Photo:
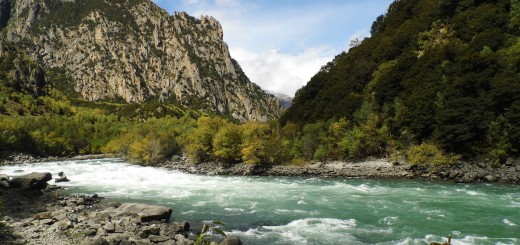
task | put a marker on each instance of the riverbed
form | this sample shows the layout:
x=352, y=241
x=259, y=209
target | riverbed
x=295, y=210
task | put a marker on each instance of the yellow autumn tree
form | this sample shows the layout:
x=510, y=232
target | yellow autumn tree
x=227, y=144
x=256, y=139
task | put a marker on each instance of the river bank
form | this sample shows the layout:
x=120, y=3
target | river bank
x=462, y=172
x=37, y=213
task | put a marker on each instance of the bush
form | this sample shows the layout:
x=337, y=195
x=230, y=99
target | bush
x=200, y=148
x=428, y=154
x=255, y=146
x=227, y=144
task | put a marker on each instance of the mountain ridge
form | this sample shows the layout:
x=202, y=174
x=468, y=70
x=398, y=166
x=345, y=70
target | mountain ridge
x=135, y=51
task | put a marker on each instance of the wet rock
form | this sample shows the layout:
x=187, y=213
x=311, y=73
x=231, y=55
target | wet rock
x=52, y=187
x=231, y=240
x=4, y=181
x=149, y=230
x=47, y=221
x=185, y=226
x=453, y=174
x=101, y=232
x=168, y=242
x=73, y=218
x=64, y=225
x=119, y=239
x=482, y=173
x=100, y=241
x=43, y=215
x=93, y=225
x=157, y=239
x=109, y=227
x=32, y=180
x=181, y=240
x=89, y=232
x=61, y=178
x=144, y=212
x=512, y=161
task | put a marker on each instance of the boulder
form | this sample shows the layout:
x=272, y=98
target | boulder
x=32, y=180
x=181, y=240
x=100, y=241
x=109, y=227
x=490, y=178
x=231, y=240
x=61, y=178
x=149, y=230
x=64, y=225
x=144, y=212
x=158, y=239
x=4, y=181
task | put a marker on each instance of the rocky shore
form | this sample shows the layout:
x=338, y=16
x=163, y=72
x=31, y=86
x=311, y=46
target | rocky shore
x=20, y=158
x=462, y=172
x=36, y=213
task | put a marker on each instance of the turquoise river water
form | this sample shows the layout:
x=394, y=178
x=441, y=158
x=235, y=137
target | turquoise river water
x=288, y=210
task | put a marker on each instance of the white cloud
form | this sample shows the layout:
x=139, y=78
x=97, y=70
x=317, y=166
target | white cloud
x=282, y=72
x=281, y=46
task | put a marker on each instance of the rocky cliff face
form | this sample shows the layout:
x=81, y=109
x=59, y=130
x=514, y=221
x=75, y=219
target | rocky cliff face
x=132, y=49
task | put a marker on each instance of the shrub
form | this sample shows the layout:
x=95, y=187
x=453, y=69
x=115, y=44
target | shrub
x=428, y=154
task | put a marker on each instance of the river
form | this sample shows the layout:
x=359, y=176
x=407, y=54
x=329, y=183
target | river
x=290, y=210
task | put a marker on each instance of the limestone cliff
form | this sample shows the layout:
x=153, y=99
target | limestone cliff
x=134, y=50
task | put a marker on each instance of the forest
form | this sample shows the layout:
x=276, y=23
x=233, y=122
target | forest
x=438, y=81
x=437, y=72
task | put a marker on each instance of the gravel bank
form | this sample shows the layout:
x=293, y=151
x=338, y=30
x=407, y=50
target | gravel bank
x=463, y=172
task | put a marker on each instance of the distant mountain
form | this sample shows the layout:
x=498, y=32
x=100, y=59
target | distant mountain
x=439, y=71
x=134, y=51
x=285, y=100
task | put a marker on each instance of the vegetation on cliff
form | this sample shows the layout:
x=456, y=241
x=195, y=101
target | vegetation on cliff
x=133, y=51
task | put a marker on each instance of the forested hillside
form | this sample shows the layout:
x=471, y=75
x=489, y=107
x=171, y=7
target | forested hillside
x=442, y=74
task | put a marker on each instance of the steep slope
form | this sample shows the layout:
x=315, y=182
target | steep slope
x=135, y=51
x=445, y=71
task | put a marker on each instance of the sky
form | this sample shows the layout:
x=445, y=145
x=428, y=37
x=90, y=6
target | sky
x=281, y=44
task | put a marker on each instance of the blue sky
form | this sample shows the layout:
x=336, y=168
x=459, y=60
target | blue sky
x=281, y=44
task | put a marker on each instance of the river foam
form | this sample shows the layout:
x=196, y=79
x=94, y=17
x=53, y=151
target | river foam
x=290, y=210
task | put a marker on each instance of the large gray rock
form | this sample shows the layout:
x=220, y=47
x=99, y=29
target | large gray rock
x=231, y=240
x=32, y=180
x=144, y=212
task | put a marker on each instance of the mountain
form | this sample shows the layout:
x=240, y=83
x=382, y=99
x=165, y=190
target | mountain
x=132, y=50
x=434, y=71
x=285, y=100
